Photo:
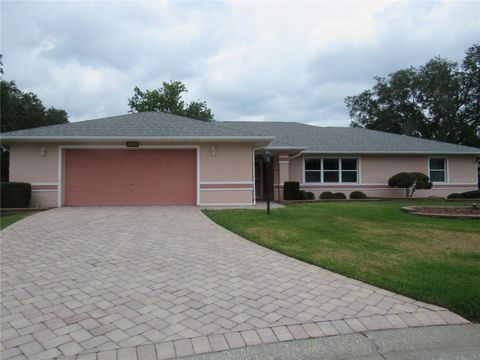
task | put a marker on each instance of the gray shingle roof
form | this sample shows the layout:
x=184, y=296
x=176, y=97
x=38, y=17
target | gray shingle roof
x=137, y=125
x=345, y=139
x=286, y=134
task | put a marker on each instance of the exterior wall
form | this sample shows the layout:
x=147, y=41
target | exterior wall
x=28, y=164
x=225, y=171
x=374, y=172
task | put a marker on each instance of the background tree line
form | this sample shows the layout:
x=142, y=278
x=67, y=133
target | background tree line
x=439, y=100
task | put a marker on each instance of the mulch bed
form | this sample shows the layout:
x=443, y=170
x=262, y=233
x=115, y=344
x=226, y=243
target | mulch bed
x=450, y=211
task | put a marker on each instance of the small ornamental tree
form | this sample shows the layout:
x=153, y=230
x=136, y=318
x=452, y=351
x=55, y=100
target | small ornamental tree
x=410, y=182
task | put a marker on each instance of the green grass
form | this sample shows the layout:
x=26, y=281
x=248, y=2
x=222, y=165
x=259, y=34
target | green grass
x=6, y=220
x=434, y=260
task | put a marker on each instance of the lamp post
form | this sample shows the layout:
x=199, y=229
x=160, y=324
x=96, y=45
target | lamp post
x=268, y=160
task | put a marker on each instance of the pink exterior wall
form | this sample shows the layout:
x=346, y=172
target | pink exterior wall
x=227, y=172
x=376, y=170
x=28, y=165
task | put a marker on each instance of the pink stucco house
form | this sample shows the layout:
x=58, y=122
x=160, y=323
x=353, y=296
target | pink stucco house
x=154, y=158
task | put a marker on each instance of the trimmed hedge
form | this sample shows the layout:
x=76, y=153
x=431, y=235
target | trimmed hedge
x=291, y=190
x=302, y=195
x=310, y=195
x=15, y=194
x=339, y=195
x=474, y=194
x=327, y=195
x=357, y=195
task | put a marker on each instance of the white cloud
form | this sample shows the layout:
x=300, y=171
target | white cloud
x=293, y=61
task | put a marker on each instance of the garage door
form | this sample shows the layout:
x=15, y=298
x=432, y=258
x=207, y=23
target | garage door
x=130, y=177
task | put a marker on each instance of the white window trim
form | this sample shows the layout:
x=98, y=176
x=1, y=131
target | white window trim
x=322, y=182
x=446, y=170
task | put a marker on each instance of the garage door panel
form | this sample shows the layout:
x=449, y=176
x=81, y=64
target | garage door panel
x=130, y=177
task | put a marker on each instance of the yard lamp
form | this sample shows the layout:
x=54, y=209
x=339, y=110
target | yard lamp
x=268, y=160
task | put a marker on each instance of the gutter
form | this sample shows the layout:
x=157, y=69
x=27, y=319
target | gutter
x=132, y=138
x=392, y=152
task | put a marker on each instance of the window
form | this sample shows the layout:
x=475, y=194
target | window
x=313, y=169
x=331, y=173
x=349, y=170
x=438, y=169
x=331, y=170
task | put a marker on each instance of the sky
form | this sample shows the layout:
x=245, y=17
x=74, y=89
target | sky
x=264, y=61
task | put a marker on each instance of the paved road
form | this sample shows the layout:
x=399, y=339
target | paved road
x=159, y=282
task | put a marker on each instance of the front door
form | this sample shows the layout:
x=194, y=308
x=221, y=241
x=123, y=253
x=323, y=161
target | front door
x=258, y=178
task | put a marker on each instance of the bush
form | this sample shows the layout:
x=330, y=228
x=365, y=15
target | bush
x=340, y=196
x=357, y=195
x=15, y=194
x=402, y=180
x=302, y=195
x=291, y=190
x=310, y=195
x=454, y=196
x=327, y=195
x=410, y=182
x=474, y=194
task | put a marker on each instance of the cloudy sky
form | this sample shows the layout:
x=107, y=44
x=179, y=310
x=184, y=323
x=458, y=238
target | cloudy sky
x=282, y=61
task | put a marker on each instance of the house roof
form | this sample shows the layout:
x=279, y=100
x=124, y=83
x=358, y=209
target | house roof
x=291, y=136
x=314, y=139
x=144, y=125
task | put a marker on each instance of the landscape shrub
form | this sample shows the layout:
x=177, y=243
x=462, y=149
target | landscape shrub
x=310, y=195
x=327, y=195
x=474, y=194
x=454, y=196
x=302, y=195
x=291, y=190
x=15, y=194
x=339, y=195
x=410, y=182
x=357, y=195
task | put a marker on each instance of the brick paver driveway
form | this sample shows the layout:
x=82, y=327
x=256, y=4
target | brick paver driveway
x=158, y=282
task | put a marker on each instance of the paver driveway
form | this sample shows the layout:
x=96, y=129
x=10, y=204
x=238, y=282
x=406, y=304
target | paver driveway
x=117, y=280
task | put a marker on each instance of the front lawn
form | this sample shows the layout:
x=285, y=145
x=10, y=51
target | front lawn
x=8, y=219
x=430, y=259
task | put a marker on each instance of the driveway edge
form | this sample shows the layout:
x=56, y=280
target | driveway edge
x=177, y=348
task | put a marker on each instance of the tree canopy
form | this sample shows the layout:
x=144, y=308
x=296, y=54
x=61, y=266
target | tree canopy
x=168, y=99
x=439, y=100
x=23, y=110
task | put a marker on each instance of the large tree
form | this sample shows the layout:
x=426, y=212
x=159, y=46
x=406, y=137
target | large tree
x=22, y=110
x=439, y=100
x=168, y=99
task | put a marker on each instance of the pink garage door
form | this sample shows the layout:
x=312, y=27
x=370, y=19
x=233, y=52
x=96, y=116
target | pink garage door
x=130, y=177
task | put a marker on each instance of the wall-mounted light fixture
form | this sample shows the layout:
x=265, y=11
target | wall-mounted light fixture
x=214, y=151
x=43, y=151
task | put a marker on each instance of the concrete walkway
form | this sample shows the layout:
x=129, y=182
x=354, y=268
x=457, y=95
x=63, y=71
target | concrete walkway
x=451, y=342
x=160, y=282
